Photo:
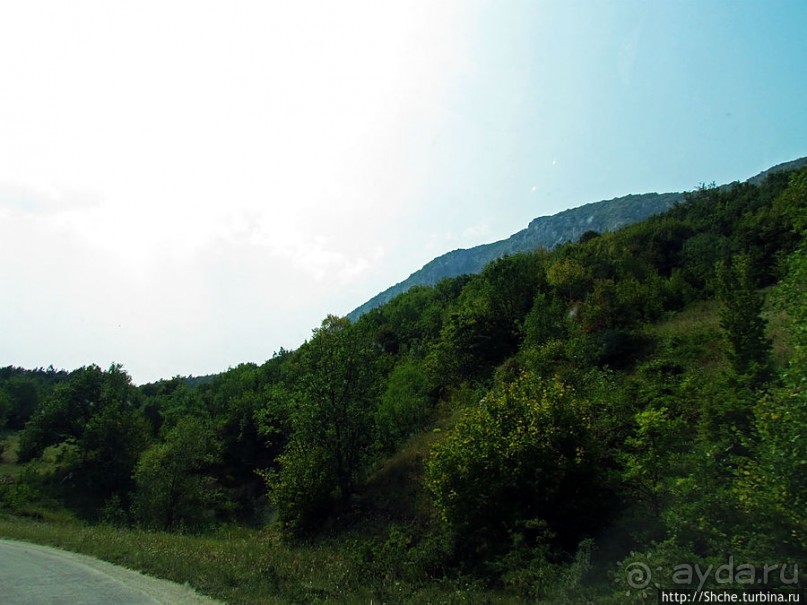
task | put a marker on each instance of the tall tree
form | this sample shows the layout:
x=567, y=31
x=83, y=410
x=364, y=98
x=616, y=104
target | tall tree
x=332, y=423
x=174, y=488
x=742, y=322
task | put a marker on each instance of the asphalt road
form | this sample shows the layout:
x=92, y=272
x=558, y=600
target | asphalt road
x=39, y=575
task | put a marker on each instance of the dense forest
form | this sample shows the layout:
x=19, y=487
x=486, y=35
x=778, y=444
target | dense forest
x=631, y=401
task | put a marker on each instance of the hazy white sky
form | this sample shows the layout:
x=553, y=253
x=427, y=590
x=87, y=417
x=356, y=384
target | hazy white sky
x=188, y=185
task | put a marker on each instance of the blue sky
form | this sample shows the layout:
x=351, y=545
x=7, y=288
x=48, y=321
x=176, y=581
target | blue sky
x=185, y=186
x=635, y=96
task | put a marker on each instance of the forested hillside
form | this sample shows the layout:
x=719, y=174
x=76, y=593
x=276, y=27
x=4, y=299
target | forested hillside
x=543, y=232
x=547, y=232
x=632, y=400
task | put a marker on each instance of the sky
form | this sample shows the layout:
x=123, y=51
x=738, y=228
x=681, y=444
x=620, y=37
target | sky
x=189, y=185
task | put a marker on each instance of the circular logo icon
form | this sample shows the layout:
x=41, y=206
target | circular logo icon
x=639, y=575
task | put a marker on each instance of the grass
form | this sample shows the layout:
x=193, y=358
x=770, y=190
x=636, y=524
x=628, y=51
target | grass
x=779, y=331
x=696, y=330
x=8, y=455
x=238, y=565
x=395, y=491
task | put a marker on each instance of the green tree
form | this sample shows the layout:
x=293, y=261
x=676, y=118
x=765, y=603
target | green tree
x=409, y=321
x=773, y=485
x=169, y=400
x=545, y=320
x=521, y=459
x=570, y=278
x=66, y=412
x=94, y=421
x=740, y=317
x=405, y=405
x=5, y=408
x=26, y=389
x=332, y=423
x=653, y=456
x=174, y=486
x=486, y=324
x=302, y=488
x=63, y=415
x=105, y=458
x=467, y=348
x=700, y=254
x=513, y=281
x=339, y=390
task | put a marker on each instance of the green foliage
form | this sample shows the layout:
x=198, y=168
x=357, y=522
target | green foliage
x=332, y=423
x=250, y=412
x=106, y=455
x=677, y=292
x=5, y=408
x=338, y=392
x=93, y=420
x=772, y=487
x=569, y=277
x=749, y=348
x=170, y=400
x=26, y=389
x=545, y=320
x=174, y=487
x=468, y=347
x=302, y=491
x=273, y=417
x=409, y=321
x=701, y=253
x=512, y=283
x=652, y=456
x=25, y=396
x=514, y=463
x=601, y=310
x=405, y=406
x=66, y=412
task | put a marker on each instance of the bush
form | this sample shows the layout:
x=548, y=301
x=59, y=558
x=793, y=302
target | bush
x=517, y=462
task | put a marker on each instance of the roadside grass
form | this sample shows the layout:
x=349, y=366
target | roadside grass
x=247, y=566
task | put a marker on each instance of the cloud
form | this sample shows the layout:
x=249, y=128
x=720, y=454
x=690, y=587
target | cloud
x=42, y=199
x=321, y=256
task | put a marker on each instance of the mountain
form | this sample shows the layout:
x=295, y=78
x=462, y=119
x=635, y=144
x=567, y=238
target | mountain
x=546, y=232
x=795, y=164
x=543, y=232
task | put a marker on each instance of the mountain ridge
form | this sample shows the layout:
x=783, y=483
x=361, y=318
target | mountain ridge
x=546, y=232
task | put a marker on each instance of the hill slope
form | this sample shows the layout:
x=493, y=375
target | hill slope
x=542, y=232
x=545, y=232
